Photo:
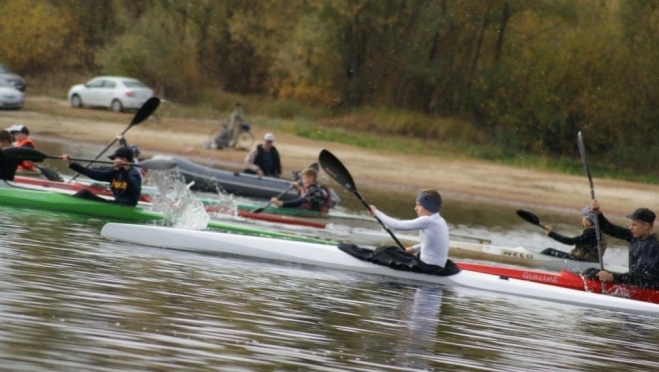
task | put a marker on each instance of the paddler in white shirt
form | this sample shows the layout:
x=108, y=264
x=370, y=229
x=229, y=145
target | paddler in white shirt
x=433, y=230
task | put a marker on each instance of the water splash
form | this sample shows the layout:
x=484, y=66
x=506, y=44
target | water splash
x=225, y=205
x=176, y=202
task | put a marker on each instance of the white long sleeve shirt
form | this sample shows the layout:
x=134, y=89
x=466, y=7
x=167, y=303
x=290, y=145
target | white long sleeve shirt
x=433, y=233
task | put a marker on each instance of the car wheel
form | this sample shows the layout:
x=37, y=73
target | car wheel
x=76, y=102
x=116, y=106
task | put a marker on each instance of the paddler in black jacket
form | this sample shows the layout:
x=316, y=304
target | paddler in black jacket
x=643, y=248
x=585, y=244
x=125, y=180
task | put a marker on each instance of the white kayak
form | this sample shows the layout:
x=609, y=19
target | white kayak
x=458, y=248
x=523, y=256
x=331, y=257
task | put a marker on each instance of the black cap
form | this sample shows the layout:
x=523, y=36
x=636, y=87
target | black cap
x=643, y=214
x=123, y=152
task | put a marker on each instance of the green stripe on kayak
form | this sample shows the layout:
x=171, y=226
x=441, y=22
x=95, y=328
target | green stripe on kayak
x=59, y=202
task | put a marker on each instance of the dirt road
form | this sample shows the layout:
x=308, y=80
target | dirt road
x=457, y=179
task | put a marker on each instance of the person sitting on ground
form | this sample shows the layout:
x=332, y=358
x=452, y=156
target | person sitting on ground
x=8, y=165
x=585, y=244
x=236, y=121
x=313, y=197
x=432, y=252
x=125, y=181
x=264, y=159
x=21, y=139
x=643, y=248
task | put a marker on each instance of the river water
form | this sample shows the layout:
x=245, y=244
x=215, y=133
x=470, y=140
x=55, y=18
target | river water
x=74, y=301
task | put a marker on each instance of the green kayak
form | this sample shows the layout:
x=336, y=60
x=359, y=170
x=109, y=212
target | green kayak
x=61, y=202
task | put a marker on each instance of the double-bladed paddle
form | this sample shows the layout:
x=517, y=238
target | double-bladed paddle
x=529, y=217
x=313, y=166
x=584, y=160
x=148, y=108
x=332, y=166
x=28, y=153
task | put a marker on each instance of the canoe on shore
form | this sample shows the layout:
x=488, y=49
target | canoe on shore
x=331, y=257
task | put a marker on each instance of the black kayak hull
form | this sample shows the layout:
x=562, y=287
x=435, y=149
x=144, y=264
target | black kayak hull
x=207, y=179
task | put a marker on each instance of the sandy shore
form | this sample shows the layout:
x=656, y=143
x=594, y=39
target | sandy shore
x=457, y=179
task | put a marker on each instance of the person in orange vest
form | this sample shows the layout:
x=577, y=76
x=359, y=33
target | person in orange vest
x=21, y=139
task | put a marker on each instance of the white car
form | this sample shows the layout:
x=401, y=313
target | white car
x=114, y=92
x=10, y=96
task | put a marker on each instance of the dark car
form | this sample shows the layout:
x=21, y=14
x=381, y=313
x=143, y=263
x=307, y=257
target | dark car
x=15, y=79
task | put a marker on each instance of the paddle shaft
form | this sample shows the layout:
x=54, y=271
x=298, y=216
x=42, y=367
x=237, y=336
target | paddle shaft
x=259, y=210
x=582, y=151
x=91, y=161
x=379, y=221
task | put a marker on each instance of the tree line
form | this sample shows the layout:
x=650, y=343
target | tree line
x=527, y=74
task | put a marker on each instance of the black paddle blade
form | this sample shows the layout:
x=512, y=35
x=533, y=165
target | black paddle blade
x=528, y=216
x=24, y=153
x=332, y=166
x=148, y=108
x=259, y=210
x=158, y=164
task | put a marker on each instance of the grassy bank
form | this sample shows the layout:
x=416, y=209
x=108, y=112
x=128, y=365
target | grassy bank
x=372, y=128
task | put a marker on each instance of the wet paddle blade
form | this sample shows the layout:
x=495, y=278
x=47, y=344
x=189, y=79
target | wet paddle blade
x=335, y=169
x=528, y=216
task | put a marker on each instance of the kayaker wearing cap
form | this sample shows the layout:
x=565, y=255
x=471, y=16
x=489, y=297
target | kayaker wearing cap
x=7, y=165
x=21, y=139
x=433, y=231
x=264, y=159
x=643, y=248
x=125, y=180
x=585, y=244
x=136, y=153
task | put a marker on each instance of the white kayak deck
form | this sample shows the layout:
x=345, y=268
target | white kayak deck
x=331, y=257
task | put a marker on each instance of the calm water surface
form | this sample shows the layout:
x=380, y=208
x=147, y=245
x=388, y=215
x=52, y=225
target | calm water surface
x=74, y=301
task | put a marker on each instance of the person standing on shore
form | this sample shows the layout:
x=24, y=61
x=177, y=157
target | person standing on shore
x=236, y=121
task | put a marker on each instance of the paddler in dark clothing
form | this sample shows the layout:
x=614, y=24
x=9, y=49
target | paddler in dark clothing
x=8, y=165
x=313, y=197
x=643, y=248
x=264, y=159
x=125, y=180
x=585, y=244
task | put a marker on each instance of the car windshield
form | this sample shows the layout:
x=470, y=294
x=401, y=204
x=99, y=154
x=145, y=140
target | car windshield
x=5, y=83
x=133, y=84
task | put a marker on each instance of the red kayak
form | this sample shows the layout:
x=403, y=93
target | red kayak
x=566, y=279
